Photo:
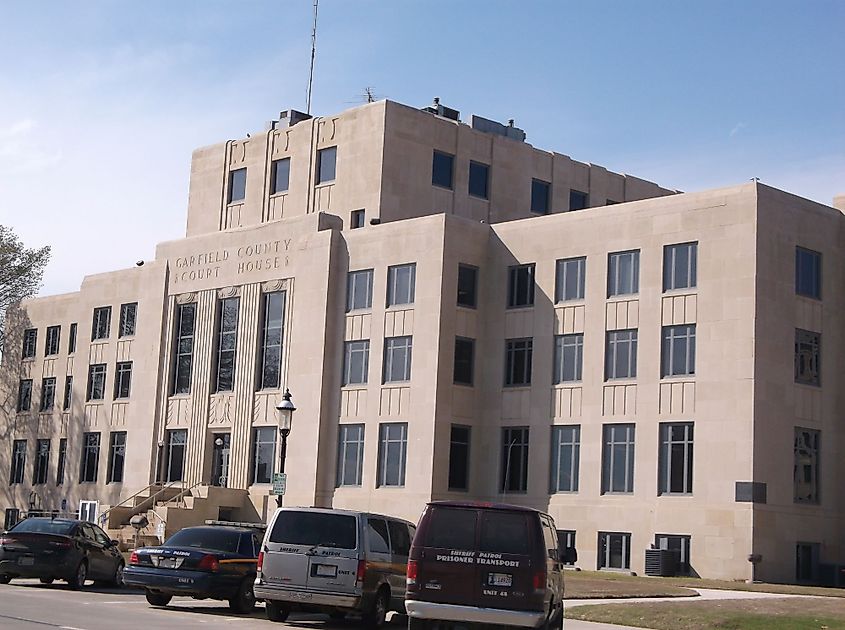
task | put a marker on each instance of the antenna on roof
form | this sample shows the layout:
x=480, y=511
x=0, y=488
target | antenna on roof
x=313, y=54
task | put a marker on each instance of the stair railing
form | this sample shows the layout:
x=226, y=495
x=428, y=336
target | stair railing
x=104, y=516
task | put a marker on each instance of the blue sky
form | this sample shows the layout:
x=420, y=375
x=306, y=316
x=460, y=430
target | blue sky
x=103, y=102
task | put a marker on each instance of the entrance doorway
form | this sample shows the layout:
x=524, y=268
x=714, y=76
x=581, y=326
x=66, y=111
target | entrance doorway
x=220, y=459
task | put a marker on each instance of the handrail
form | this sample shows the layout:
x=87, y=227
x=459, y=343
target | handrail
x=104, y=515
x=184, y=492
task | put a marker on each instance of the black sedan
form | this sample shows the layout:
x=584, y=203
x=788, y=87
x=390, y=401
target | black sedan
x=211, y=562
x=59, y=549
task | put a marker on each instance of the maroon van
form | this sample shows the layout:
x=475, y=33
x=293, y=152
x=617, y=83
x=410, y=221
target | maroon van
x=480, y=565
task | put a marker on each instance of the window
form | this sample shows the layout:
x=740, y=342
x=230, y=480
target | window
x=578, y=200
x=377, y=535
x=518, y=361
x=96, y=382
x=540, y=193
x=467, y=286
x=357, y=219
x=176, y=443
x=30, y=340
x=675, y=461
x=451, y=528
x=479, y=180
x=122, y=379
x=400, y=538
x=326, y=165
x=90, y=461
x=227, y=339
x=68, y=393
x=680, y=545
x=464, y=353
x=184, y=351
x=514, y=469
x=263, y=454
x=101, y=323
x=71, y=343
x=279, y=176
x=505, y=533
x=359, y=290
x=566, y=458
x=521, y=285
x=117, y=456
x=401, y=281
x=51, y=346
x=621, y=354
x=18, y=462
x=807, y=357
x=356, y=362
x=808, y=273
x=807, y=562
x=393, y=451
x=441, y=169
x=272, y=337
x=60, y=467
x=680, y=263
x=128, y=315
x=618, y=458
x=569, y=358
x=25, y=395
x=459, y=458
x=350, y=455
x=678, y=353
x=623, y=273
x=806, y=467
x=570, y=277
x=48, y=393
x=566, y=538
x=614, y=550
x=237, y=185
x=397, y=359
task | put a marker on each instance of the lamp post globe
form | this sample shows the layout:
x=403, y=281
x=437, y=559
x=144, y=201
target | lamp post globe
x=285, y=410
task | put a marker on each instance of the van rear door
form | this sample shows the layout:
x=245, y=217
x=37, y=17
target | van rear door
x=505, y=561
x=446, y=569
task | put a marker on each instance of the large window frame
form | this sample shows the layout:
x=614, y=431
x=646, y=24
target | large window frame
x=326, y=165
x=541, y=196
x=183, y=359
x=42, y=462
x=17, y=468
x=620, y=361
x=566, y=458
x=122, y=379
x=808, y=273
x=808, y=357
x=614, y=550
x=618, y=453
x=101, y=323
x=96, y=382
x=514, y=460
x=359, y=290
x=176, y=448
x=117, y=456
x=460, y=439
x=677, y=356
x=463, y=372
x=228, y=312
x=675, y=462
x=29, y=347
x=623, y=273
x=680, y=266
x=263, y=455
x=570, y=279
x=89, y=463
x=518, y=361
x=60, y=465
x=272, y=339
x=467, y=295
x=52, y=340
x=280, y=176
x=807, y=466
x=237, y=186
x=356, y=362
x=393, y=454
x=568, y=358
x=521, y=285
x=350, y=455
x=397, y=359
x=48, y=394
x=443, y=170
x=24, y=395
x=128, y=319
x=478, y=185
x=401, y=284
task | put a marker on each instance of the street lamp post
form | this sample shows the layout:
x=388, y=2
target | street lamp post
x=285, y=409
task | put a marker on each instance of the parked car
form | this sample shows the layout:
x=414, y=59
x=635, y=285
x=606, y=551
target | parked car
x=335, y=562
x=59, y=549
x=206, y=562
x=483, y=564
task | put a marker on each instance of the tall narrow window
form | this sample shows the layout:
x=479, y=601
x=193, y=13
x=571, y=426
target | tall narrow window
x=184, y=350
x=464, y=359
x=807, y=357
x=540, y=196
x=90, y=461
x=71, y=342
x=678, y=355
x=614, y=550
x=326, y=165
x=808, y=273
x=569, y=358
x=68, y=399
x=514, y=468
x=48, y=393
x=25, y=394
x=401, y=284
x=122, y=379
x=397, y=359
x=237, y=185
x=806, y=466
x=621, y=354
x=578, y=200
x=442, y=167
x=357, y=219
x=623, y=273
x=459, y=458
x=263, y=454
x=675, y=461
x=570, y=278
x=521, y=285
x=518, y=361
x=96, y=382
x=176, y=443
x=679, y=544
x=467, y=286
x=227, y=339
x=359, y=290
x=51, y=345
x=479, y=180
x=16, y=472
x=30, y=341
x=60, y=466
x=42, y=462
x=618, y=459
x=101, y=323
x=272, y=338
x=393, y=452
x=566, y=457
x=680, y=266
x=356, y=362
x=117, y=456
x=128, y=315
x=279, y=176
x=350, y=455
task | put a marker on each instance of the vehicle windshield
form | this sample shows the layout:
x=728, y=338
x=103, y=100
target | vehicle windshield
x=315, y=528
x=43, y=526
x=210, y=538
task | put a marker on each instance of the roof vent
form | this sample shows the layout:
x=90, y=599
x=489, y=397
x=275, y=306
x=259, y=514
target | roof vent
x=441, y=110
x=287, y=118
x=491, y=126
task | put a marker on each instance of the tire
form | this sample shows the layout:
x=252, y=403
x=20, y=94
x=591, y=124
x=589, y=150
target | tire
x=79, y=576
x=157, y=599
x=117, y=578
x=276, y=611
x=377, y=615
x=45, y=580
x=244, y=601
x=417, y=624
x=5, y=579
x=555, y=622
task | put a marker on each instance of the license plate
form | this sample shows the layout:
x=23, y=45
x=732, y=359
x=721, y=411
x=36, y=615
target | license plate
x=26, y=561
x=326, y=570
x=170, y=563
x=500, y=579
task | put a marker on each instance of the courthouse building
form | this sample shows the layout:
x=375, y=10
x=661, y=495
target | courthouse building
x=457, y=315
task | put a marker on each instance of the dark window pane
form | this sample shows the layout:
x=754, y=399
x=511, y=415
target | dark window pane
x=280, y=176
x=467, y=285
x=578, y=200
x=464, y=354
x=540, y=196
x=478, y=179
x=451, y=528
x=441, y=169
x=504, y=532
x=313, y=528
x=326, y=165
x=459, y=458
x=237, y=185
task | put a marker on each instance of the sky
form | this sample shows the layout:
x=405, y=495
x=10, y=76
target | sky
x=102, y=102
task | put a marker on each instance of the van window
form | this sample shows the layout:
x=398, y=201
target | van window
x=550, y=536
x=505, y=532
x=377, y=530
x=315, y=528
x=400, y=541
x=450, y=528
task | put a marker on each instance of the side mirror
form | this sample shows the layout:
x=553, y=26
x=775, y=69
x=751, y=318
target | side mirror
x=114, y=543
x=568, y=555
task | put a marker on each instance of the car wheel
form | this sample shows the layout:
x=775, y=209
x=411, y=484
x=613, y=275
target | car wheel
x=276, y=611
x=417, y=624
x=5, y=579
x=45, y=580
x=244, y=601
x=117, y=579
x=157, y=599
x=79, y=576
x=377, y=615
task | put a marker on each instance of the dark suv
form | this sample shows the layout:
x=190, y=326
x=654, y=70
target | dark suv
x=483, y=565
